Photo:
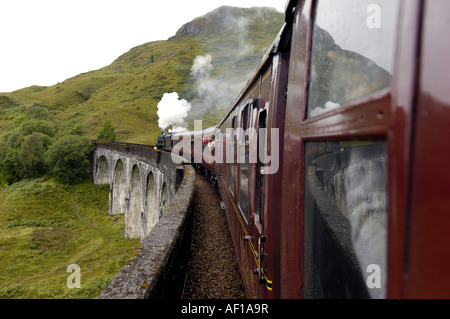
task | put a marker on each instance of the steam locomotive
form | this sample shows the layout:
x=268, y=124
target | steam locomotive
x=333, y=162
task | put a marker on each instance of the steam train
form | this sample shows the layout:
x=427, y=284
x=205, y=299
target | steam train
x=333, y=162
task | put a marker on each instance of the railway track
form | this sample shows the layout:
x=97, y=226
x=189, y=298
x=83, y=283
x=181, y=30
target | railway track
x=213, y=271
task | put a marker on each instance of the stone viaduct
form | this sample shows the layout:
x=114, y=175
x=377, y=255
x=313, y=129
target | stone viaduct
x=156, y=196
x=142, y=183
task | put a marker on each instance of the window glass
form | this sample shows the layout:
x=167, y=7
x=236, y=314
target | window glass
x=244, y=163
x=260, y=177
x=243, y=186
x=244, y=122
x=352, y=51
x=345, y=220
x=232, y=145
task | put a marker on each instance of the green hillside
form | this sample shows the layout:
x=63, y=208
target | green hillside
x=128, y=91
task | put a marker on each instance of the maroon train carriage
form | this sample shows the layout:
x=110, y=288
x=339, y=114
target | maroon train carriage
x=348, y=193
x=197, y=147
x=204, y=155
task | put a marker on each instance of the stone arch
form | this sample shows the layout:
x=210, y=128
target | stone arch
x=163, y=199
x=102, y=171
x=377, y=194
x=333, y=193
x=360, y=212
x=119, y=189
x=346, y=195
x=136, y=204
x=151, y=211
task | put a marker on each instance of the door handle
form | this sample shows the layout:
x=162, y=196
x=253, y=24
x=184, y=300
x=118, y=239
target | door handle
x=261, y=274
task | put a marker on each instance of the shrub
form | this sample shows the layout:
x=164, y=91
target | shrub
x=10, y=168
x=39, y=112
x=14, y=138
x=107, y=132
x=74, y=127
x=69, y=158
x=43, y=126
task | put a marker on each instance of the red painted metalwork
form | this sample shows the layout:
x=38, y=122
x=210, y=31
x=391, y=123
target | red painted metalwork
x=399, y=141
x=428, y=242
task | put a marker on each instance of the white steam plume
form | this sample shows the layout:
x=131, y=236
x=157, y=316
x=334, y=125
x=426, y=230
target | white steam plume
x=239, y=26
x=172, y=111
x=215, y=93
x=236, y=58
x=329, y=106
x=201, y=71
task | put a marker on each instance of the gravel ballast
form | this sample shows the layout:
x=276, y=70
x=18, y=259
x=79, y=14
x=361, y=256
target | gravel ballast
x=213, y=271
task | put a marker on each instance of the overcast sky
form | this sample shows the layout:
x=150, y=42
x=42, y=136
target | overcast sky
x=43, y=42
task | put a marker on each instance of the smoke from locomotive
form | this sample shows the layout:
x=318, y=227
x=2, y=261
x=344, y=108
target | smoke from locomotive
x=172, y=112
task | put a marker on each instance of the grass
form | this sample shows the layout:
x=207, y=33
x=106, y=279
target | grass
x=40, y=236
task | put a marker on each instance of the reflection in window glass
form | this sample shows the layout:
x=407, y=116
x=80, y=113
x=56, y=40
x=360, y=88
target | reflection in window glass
x=244, y=165
x=243, y=184
x=260, y=178
x=345, y=220
x=352, y=51
x=232, y=144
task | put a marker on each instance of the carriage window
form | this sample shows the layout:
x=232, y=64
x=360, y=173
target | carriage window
x=244, y=122
x=233, y=143
x=262, y=125
x=345, y=220
x=244, y=162
x=352, y=51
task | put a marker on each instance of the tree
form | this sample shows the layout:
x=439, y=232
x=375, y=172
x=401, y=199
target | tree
x=31, y=156
x=10, y=169
x=69, y=158
x=14, y=138
x=107, y=132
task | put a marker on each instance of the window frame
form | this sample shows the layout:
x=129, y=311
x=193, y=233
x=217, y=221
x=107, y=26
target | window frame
x=372, y=97
x=259, y=181
x=232, y=147
x=367, y=119
x=245, y=118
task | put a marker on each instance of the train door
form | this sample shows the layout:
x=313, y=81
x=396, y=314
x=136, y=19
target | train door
x=232, y=161
x=259, y=201
x=244, y=198
x=257, y=239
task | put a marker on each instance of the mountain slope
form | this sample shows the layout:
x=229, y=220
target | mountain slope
x=128, y=91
